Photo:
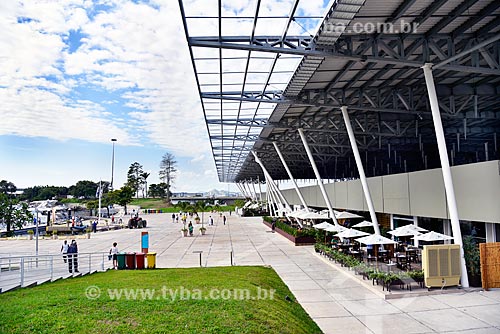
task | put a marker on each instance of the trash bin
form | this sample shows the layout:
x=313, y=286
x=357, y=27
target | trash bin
x=120, y=257
x=139, y=260
x=130, y=259
x=151, y=257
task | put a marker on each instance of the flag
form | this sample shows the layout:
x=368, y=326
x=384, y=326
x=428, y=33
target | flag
x=98, y=192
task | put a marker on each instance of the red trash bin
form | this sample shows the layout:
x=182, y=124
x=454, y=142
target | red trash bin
x=139, y=260
x=130, y=260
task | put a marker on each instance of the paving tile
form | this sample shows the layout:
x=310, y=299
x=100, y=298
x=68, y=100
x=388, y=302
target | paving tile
x=369, y=307
x=325, y=309
x=345, y=325
x=448, y=320
x=487, y=313
x=393, y=323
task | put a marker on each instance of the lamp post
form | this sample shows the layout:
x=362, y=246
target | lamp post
x=36, y=235
x=112, y=163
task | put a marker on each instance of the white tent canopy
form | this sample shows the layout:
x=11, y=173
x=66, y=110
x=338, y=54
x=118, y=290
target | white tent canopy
x=375, y=239
x=411, y=227
x=407, y=230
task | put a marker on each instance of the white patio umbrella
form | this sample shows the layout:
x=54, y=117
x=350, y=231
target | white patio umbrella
x=364, y=223
x=312, y=215
x=323, y=225
x=411, y=227
x=335, y=228
x=407, y=230
x=433, y=236
x=351, y=233
x=346, y=215
x=374, y=239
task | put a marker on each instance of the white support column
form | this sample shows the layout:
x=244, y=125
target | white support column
x=260, y=189
x=302, y=200
x=491, y=235
x=361, y=170
x=241, y=189
x=445, y=167
x=255, y=191
x=415, y=222
x=318, y=177
x=271, y=181
x=276, y=200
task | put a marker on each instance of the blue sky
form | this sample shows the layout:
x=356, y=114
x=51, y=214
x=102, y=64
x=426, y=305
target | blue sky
x=76, y=73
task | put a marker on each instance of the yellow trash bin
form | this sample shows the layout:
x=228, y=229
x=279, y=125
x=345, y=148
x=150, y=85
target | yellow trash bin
x=151, y=257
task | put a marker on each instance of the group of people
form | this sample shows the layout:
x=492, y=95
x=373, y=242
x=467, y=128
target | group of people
x=70, y=255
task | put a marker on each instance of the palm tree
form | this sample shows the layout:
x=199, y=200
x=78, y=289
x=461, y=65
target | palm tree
x=144, y=177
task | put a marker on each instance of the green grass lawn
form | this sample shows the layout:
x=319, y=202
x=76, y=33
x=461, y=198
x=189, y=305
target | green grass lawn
x=63, y=307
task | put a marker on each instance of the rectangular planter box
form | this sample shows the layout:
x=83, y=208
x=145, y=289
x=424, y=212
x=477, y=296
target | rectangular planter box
x=298, y=241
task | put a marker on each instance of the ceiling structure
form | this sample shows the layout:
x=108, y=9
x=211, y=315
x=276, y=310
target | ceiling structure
x=259, y=88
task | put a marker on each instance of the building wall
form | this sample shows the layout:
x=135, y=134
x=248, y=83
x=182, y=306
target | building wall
x=477, y=190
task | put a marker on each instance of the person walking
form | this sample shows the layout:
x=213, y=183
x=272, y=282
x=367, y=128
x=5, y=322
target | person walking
x=114, y=254
x=64, y=250
x=173, y=217
x=210, y=221
x=73, y=257
x=190, y=228
x=224, y=219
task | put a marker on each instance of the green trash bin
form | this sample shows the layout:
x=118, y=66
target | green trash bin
x=121, y=260
x=151, y=257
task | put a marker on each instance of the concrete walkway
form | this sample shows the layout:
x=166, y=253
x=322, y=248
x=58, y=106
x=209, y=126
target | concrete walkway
x=337, y=302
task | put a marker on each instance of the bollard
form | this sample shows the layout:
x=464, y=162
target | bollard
x=199, y=252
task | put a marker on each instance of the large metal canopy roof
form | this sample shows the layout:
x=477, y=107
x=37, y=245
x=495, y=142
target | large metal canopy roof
x=259, y=87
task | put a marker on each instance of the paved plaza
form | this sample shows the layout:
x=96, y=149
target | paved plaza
x=337, y=302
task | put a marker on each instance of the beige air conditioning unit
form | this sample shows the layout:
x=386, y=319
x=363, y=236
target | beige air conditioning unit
x=441, y=265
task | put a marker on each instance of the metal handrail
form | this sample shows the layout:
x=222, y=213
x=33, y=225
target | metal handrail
x=25, y=270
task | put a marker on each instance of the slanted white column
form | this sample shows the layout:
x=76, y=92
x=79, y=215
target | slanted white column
x=260, y=189
x=255, y=191
x=271, y=182
x=445, y=168
x=361, y=170
x=302, y=200
x=318, y=177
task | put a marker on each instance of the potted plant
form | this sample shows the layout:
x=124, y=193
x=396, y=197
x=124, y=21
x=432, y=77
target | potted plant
x=184, y=230
x=89, y=231
x=54, y=234
x=197, y=220
x=203, y=230
x=30, y=234
x=472, y=260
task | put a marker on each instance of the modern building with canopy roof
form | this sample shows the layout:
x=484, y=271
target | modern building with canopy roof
x=397, y=101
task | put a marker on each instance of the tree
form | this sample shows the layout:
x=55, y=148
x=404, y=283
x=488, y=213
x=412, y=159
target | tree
x=91, y=205
x=123, y=196
x=167, y=172
x=144, y=178
x=12, y=213
x=84, y=189
x=134, y=179
x=158, y=190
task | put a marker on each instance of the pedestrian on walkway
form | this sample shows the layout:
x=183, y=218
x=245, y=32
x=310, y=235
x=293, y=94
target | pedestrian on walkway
x=64, y=250
x=173, y=218
x=114, y=254
x=73, y=257
x=190, y=228
x=210, y=221
x=224, y=219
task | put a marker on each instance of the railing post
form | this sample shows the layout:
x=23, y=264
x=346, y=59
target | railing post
x=90, y=262
x=22, y=271
x=102, y=262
